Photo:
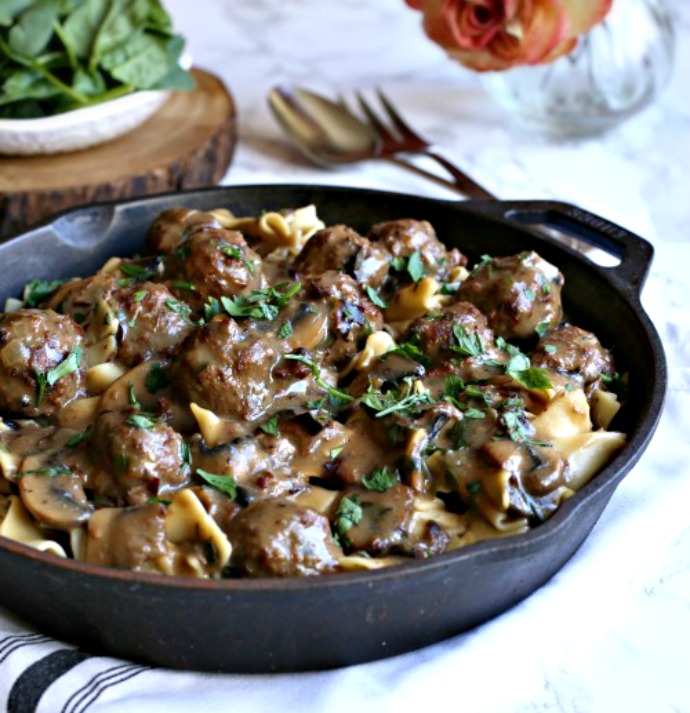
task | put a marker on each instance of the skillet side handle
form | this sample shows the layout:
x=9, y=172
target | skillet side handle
x=635, y=253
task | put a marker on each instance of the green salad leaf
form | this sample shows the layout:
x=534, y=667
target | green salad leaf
x=60, y=55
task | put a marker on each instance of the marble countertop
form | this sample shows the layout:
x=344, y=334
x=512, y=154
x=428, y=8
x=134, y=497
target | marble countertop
x=611, y=631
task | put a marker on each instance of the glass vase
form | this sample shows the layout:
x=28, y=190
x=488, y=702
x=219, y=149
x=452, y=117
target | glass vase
x=615, y=70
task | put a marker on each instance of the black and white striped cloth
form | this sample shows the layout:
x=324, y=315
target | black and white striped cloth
x=40, y=674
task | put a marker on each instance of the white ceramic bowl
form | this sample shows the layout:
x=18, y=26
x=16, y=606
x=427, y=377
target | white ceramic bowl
x=81, y=128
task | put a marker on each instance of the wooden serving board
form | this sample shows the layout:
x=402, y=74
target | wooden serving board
x=187, y=143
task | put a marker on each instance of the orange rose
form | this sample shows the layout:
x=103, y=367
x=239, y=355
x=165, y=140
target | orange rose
x=499, y=34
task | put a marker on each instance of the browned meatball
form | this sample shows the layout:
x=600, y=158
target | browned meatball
x=339, y=247
x=171, y=227
x=455, y=331
x=128, y=538
x=520, y=294
x=575, y=352
x=213, y=263
x=404, y=237
x=136, y=458
x=152, y=322
x=219, y=369
x=41, y=362
x=278, y=538
x=351, y=316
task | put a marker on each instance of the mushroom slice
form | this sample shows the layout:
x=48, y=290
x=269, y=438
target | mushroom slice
x=17, y=525
x=54, y=496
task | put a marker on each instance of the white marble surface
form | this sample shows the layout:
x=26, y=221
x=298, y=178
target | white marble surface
x=611, y=631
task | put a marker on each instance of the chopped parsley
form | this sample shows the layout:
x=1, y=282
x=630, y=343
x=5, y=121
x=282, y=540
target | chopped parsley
x=415, y=266
x=260, y=304
x=50, y=472
x=348, y=514
x=468, y=343
x=40, y=387
x=225, y=483
x=182, y=285
x=156, y=379
x=375, y=298
x=139, y=421
x=335, y=452
x=271, y=426
x=411, y=351
x=237, y=253
x=137, y=272
x=285, y=331
x=396, y=400
x=380, y=479
x=337, y=394
x=78, y=438
x=67, y=366
x=178, y=307
x=38, y=290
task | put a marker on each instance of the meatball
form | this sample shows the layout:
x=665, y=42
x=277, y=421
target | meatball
x=342, y=248
x=575, y=352
x=445, y=334
x=129, y=538
x=136, y=458
x=214, y=263
x=351, y=316
x=41, y=364
x=520, y=294
x=278, y=538
x=152, y=323
x=171, y=227
x=219, y=369
x=404, y=237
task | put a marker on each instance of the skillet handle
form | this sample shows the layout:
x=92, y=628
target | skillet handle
x=635, y=253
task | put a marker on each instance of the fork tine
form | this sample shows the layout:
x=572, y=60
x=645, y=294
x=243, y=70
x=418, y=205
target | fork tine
x=379, y=127
x=400, y=124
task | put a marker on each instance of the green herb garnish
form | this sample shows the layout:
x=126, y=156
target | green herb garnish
x=237, y=253
x=260, y=304
x=37, y=291
x=271, y=426
x=415, y=266
x=341, y=396
x=348, y=514
x=375, y=299
x=139, y=421
x=468, y=343
x=65, y=367
x=225, y=483
x=380, y=479
x=156, y=379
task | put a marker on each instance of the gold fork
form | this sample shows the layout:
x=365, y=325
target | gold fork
x=401, y=138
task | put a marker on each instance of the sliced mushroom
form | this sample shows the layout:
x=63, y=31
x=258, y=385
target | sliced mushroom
x=53, y=495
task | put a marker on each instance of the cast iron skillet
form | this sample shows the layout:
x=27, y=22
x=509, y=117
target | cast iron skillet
x=301, y=624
